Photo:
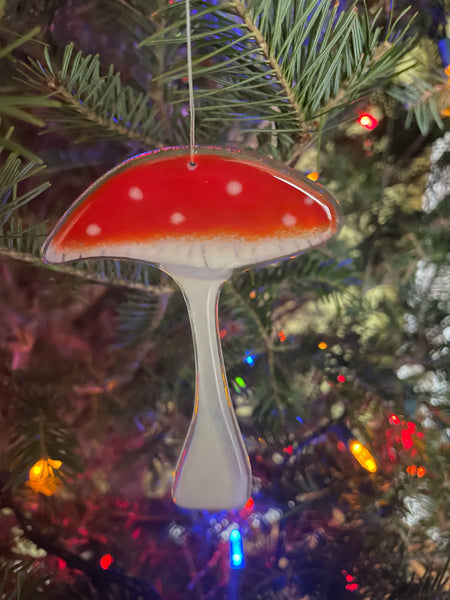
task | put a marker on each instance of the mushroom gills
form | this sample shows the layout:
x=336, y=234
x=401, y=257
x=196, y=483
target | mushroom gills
x=203, y=253
x=213, y=471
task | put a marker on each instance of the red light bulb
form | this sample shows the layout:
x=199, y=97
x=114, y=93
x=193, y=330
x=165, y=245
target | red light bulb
x=249, y=504
x=394, y=420
x=106, y=561
x=368, y=121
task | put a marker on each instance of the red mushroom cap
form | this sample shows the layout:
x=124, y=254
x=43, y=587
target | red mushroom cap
x=233, y=209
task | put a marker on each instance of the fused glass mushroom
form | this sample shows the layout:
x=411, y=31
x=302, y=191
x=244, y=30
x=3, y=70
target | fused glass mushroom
x=197, y=223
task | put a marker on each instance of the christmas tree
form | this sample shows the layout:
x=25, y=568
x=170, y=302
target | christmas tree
x=337, y=359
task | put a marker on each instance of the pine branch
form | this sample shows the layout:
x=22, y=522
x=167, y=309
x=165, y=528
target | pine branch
x=12, y=173
x=266, y=341
x=104, y=581
x=139, y=315
x=308, y=60
x=424, y=100
x=133, y=276
x=19, y=41
x=17, y=107
x=90, y=99
x=271, y=59
x=40, y=435
x=20, y=578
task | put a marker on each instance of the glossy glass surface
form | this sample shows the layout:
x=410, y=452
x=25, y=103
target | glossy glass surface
x=233, y=209
x=197, y=223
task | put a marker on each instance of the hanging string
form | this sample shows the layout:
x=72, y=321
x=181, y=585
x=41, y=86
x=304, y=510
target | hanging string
x=190, y=84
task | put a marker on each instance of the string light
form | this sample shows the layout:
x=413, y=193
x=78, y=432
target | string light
x=414, y=470
x=42, y=477
x=236, y=550
x=249, y=504
x=322, y=345
x=351, y=587
x=282, y=336
x=106, y=561
x=368, y=121
x=406, y=438
x=340, y=378
x=249, y=358
x=363, y=456
x=240, y=382
x=351, y=583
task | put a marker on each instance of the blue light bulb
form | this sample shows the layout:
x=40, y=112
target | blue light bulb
x=249, y=358
x=236, y=550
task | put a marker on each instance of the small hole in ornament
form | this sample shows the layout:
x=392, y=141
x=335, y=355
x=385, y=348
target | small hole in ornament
x=191, y=166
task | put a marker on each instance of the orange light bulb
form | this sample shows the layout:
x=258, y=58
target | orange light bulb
x=363, y=456
x=42, y=477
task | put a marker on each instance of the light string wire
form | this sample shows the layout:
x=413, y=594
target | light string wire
x=190, y=84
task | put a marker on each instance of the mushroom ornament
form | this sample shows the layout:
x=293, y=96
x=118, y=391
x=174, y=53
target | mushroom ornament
x=198, y=222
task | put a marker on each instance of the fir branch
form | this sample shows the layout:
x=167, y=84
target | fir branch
x=139, y=315
x=131, y=276
x=12, y=173
x=19, y=41
x=17, y=107
x=268, y=348
x=305, y=62
x=271, y=59
x=424, y=101
x=91, y=99
x=6, y=142
x=41, y=434
x=105, y=581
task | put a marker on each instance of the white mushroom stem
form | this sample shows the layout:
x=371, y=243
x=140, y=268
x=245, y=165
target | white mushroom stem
x=213, y=471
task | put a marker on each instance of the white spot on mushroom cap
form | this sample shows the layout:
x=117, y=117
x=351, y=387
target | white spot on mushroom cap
x=289, y=220
x=234, y=188
x=308, y=200
x=176, y=218
x=135, y=193
x=93, y=229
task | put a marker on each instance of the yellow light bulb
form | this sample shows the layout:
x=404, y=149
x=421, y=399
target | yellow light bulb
x=363, y=456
